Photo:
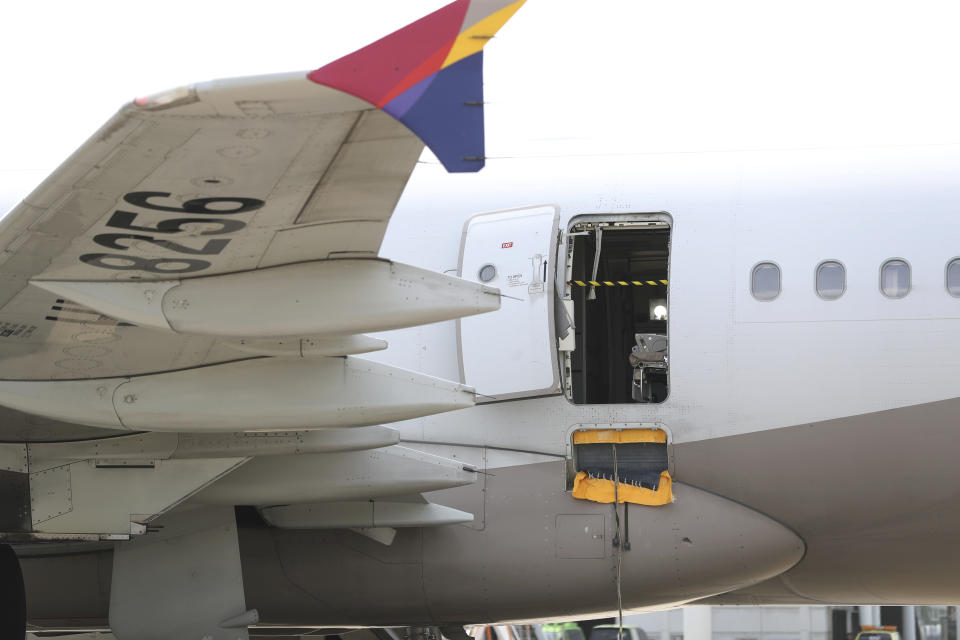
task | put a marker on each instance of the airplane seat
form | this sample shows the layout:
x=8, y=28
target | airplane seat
x=649, y=359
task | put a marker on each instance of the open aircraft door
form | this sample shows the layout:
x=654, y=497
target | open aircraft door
x=511, y=352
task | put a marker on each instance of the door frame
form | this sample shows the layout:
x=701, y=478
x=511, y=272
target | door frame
x=566, y=258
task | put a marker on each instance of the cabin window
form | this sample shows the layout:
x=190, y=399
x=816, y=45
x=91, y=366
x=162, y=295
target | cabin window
x=953, y=278
x=895, y=278
x=831, y=280
x=765, y=281
x=617, y=273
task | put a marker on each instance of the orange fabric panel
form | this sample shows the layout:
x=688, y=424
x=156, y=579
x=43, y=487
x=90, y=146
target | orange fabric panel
x=619, y=436
x=598, y=490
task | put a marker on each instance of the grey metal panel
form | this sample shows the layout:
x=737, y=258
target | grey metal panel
x=866, y=534
x=83, y=498
x=151, y=446
x=51, y=494
x=510, y=569
x=300, y=577
x=193, y=567
x=700, y=545
x=365, y=179
x=469, y=498
x=17, y=426
x=353, y=475
x=728, y=543
x=874, y=497
x=580, y=536
x=68, y=590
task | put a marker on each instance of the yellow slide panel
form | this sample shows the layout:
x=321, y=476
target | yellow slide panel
x=598, y=490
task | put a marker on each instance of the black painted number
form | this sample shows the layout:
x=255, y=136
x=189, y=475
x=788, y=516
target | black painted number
x=125, y=220
x=156, y=265
x=111, y=241
x=210, y=226
x=197, y=205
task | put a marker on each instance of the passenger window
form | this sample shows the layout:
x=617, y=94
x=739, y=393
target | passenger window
x=831, y=280
x=953, y=278
x=765, y=281
x=895, y=278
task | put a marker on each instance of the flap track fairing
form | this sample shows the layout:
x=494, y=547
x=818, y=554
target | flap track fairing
x=321, y=298
x=390, y=472
x=257, y=394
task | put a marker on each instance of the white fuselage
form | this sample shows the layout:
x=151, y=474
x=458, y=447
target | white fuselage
x=810, y=441
x=738, y=365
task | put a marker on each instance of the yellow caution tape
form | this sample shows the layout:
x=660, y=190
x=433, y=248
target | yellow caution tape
x=603, y=491
x=618, y=283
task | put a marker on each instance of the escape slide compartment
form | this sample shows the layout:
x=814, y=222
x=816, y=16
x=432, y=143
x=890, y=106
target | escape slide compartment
x=621, y=465
x=511, y=352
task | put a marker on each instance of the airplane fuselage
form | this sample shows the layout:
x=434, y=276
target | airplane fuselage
x=810, y=435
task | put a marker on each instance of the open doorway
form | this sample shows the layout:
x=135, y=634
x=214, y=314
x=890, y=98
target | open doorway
x=617, y=281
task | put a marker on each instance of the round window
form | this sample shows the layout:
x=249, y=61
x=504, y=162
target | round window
x=487, y=273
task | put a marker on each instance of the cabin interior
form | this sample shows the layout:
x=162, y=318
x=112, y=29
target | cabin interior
x=619, y=288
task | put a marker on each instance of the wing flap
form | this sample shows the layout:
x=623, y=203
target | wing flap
x=364, y=181
x=305, y=242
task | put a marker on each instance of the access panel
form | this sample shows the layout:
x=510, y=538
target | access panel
x=511, y=352
x=580, y=536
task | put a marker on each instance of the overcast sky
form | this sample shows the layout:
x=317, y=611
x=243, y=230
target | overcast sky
x=564, y=76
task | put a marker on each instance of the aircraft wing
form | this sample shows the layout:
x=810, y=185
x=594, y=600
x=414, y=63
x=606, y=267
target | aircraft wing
x=202, y=271
x=190, y=229
x=223, y=177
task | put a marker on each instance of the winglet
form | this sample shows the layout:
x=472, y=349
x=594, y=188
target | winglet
x=429, y=76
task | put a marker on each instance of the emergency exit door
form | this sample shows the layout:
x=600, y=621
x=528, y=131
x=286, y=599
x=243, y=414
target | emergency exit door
x=511, y=352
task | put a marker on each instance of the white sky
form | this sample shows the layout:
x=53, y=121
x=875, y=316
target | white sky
x=564, y=76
